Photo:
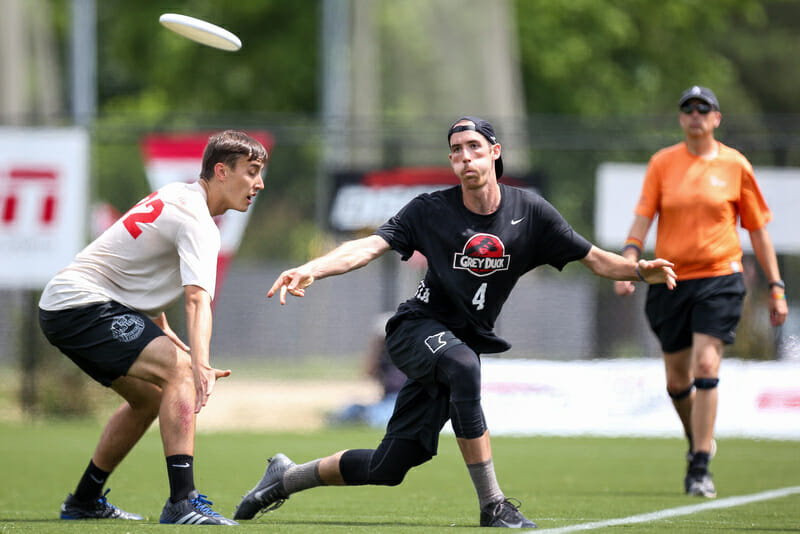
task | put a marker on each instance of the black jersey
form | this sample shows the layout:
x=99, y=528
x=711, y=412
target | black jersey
x=474, y=261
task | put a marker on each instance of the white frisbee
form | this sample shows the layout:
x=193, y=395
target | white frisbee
x=201, y=31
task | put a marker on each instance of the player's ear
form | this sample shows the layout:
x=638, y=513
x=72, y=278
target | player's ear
x=220, y=171
x=496, y=150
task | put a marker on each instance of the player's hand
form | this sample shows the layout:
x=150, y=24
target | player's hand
x=624, y=288
x=658, y=271
x=205, y=378
x=175, y=339
x=295, y=281
x=778, y=310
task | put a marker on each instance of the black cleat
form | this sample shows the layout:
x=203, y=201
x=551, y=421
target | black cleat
x=700, y=485
x=505, y=514
x=269, y=493
x=99, y=508
x=193, y=510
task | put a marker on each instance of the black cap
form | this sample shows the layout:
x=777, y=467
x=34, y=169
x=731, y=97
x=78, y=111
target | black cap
x=485, y=129
x=700, y=93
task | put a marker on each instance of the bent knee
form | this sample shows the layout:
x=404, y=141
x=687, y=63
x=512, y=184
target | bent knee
x=163, y=362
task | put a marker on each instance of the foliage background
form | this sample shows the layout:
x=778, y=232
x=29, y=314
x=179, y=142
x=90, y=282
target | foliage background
x=589, y=69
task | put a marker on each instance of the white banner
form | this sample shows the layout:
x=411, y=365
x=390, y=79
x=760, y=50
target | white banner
x=628, y=397
x=44, y=176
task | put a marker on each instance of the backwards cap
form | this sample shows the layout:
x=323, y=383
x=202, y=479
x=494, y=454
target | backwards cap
x=482, y=127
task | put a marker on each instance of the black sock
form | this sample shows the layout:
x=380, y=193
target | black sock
x=699, y=463
x=181, y=476
x=91, y=483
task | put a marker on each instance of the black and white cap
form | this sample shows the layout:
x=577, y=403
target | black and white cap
x=482, y=127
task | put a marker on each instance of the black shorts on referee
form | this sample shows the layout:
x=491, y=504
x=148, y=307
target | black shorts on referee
x=711, y=306
x=102, y=339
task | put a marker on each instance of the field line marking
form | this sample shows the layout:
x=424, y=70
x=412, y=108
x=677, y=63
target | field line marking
x=728, y=502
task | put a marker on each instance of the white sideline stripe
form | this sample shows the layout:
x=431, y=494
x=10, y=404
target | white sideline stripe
x=729, y=502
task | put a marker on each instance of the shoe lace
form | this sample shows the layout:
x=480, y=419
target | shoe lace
x=203, y=505
x=274, y=506
x=508, y=507
x=103, y=501
x=103, y=504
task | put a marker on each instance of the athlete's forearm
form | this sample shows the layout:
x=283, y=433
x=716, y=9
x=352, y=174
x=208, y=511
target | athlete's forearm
x=347, y=257
x=765, y=253
x=198, y=325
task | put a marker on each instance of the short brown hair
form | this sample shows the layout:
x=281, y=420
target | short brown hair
x=227, y=147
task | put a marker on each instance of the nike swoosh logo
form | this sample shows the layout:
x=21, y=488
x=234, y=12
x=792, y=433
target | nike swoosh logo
x=181, y=465
x=260, y=493
x=517, y=221
x=96, y=480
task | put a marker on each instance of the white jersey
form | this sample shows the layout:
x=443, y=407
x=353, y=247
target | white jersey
x=165, y=242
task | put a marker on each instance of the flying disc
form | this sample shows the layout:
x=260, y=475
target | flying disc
x=201, y=31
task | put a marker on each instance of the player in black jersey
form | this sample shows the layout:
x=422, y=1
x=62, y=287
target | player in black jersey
x=478, y=239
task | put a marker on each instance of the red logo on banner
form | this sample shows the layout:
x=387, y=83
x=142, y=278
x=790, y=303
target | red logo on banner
x=37, y=183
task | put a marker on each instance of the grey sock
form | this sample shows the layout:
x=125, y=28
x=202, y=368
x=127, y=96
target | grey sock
x=485, y=482
x=302, y=477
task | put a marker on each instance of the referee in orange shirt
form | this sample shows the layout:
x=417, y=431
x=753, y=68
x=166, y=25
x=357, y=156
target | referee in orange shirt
x=699, y=188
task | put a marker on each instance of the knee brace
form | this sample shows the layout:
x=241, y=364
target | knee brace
x=459, y=369
x=385, y=466
x=681, y=394
x=706, y=383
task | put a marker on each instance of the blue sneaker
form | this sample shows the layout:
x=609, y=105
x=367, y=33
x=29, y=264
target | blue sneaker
x=99, y=508
x=193, y=510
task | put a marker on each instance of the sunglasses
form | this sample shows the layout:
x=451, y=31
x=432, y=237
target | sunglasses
x=702, y=108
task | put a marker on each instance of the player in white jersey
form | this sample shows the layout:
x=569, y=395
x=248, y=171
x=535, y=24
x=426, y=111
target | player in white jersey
x=105, y=311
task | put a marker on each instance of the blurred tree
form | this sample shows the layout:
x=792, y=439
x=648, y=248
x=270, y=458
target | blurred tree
x=632, y=57
x=144, y=68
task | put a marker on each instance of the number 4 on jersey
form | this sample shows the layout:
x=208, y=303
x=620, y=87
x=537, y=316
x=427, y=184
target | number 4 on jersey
x=479, y=300
x=137, y=214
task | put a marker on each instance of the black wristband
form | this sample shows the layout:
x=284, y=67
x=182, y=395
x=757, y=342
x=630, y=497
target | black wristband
x=777, y=283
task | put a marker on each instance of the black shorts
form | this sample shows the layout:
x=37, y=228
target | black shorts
x=423, y=406
x=711, y=306
x=102, y=339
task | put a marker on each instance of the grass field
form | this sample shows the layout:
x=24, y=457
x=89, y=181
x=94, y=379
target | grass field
x=561, y=482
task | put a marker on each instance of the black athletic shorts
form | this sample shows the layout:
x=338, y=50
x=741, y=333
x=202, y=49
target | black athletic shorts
x=102, y=339
x=711, y=306
x=423, y=406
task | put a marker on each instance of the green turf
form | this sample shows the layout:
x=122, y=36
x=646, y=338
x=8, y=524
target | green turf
x=560, y=481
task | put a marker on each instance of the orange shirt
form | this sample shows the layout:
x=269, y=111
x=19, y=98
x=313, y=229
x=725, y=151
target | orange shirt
x=698, y=202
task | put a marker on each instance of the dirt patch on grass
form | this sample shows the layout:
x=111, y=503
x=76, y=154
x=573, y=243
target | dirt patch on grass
x=247, y=404
x=260, y=404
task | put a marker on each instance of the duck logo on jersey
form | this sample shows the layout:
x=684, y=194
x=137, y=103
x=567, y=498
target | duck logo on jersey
x=483, y=254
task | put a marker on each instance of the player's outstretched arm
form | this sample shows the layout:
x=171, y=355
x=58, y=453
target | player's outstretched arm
x=348, y=256
x=632, y=250
x=609, y=265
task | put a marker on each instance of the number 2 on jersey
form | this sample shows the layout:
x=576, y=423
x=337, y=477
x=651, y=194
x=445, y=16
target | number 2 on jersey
x=479, y=300
x=135, y=217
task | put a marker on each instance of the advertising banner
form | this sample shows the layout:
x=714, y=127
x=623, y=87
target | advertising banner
x=44, y=176
x=628, y=397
